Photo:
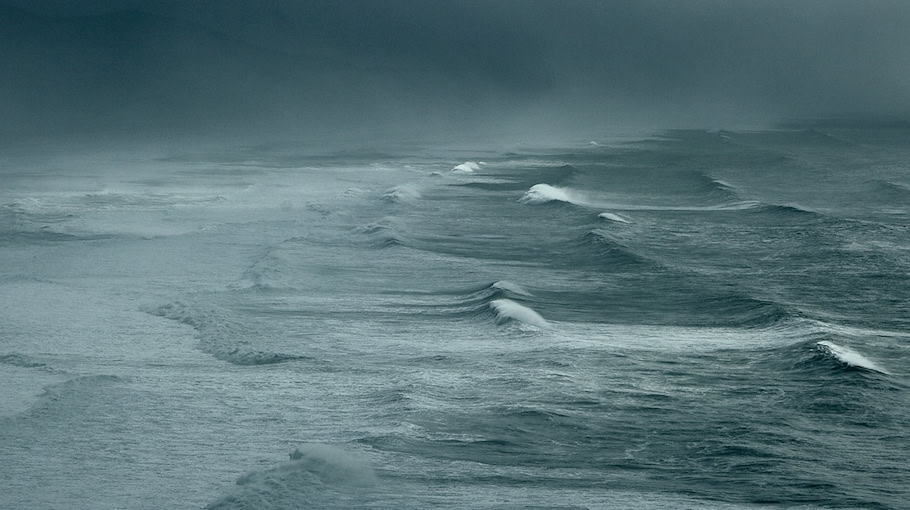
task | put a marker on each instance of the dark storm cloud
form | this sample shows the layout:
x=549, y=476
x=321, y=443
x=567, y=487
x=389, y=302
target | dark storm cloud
x=432, y=66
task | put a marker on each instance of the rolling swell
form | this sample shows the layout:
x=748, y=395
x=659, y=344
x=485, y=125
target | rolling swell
x=22, y=361
x=746, y=311
x=381, y=235
x=610, y=251
x=220, y=336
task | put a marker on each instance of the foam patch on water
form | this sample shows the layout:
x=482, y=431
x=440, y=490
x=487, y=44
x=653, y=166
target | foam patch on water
x=848, y=356
x=507, y=310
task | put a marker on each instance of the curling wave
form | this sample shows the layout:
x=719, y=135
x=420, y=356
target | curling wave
x=507, y=310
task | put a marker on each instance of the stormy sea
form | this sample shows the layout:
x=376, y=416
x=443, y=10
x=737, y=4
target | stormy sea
x=677, y=319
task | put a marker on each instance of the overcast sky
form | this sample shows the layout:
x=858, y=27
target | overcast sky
x=414, y=67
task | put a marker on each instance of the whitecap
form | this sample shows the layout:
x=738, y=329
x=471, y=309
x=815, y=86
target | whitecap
x=404, y=193
x=468, y=167
x=508, y=310
x=544, y=193
x=613, y=217
x=848, y=356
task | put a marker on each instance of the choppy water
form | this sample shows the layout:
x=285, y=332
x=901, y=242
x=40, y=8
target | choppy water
x=692, y=320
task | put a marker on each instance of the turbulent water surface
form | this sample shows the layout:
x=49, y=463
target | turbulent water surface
x=698, y=319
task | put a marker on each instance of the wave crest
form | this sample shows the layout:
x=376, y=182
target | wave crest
x=848, y=356
x=544, y=193
x=507, y=310
x=618, y=218
x=402, y=194
x=468, y=167
x=317, y=476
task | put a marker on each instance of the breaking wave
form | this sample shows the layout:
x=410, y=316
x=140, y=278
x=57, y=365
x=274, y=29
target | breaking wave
x=468, y=167
x=544, y=193
x=402, y=194
x=847, y=356
x=618, y=218
x=317, y=476
x=507, y=310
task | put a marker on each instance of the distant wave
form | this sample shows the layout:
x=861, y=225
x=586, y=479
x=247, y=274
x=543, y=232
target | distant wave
x=47, y=236
x=468, y=167
x=74, y=390
x=222, y=338
x=507, y=310
x=618, y=218
x=890, y=191
x=745, y=311
x=848, y=356
x=21, y=360
x=30, y=221
x=265, y=273
x=381, y=235
x=317, y=476
x=783, y=209
x=708, y=189
x=402, y=194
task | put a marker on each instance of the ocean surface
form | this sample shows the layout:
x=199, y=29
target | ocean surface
x=690, y=319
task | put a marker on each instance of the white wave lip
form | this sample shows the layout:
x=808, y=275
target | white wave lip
x=544, y=193
x=618, y=218
x=506, y=310
x=848, y=356
x=468, y=167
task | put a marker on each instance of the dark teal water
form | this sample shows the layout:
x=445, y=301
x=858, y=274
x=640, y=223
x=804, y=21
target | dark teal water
x=699, y=319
